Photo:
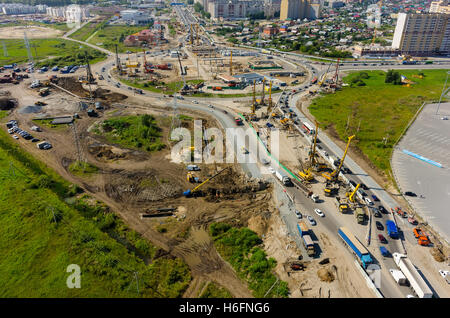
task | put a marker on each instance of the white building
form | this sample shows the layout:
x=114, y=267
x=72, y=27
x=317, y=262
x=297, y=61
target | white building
x=135, y=17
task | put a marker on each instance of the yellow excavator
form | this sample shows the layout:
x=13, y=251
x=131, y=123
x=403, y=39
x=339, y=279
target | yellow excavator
x=351, y=195
x=189, y=192
x=334, y=175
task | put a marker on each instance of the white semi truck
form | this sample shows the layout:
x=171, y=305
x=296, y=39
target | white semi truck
x=412, y=275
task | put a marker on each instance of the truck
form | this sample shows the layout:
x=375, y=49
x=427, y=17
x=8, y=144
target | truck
x=314, y=80
x=283, y=177
x=391, y=229
x=238, y=121
x=355, y=245
x=398, y=276
x=306, y=238
x=416, y=281
x=360, y=215
x=342, y=205
x=44, y=91
x=421, y=236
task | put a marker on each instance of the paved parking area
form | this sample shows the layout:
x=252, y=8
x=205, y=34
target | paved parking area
x=429, y=137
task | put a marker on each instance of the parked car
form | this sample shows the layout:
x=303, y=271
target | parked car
x=384, y=251
x=347, y=170
x=362, y=193
x=375, y=198
x=376, y=213
x=382, y=209
x=15, y=137
x=353, y=183
x=298, y=214
x=379, y=225
x=319, y=212
x=410, y=194
x=364, y=186
x=368, y=201
x=382, y=239
x=311, y=220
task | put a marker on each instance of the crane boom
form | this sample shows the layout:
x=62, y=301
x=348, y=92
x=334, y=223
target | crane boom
x=335, y=173
x=351, y=197
x=189, y=192
x=324, y=76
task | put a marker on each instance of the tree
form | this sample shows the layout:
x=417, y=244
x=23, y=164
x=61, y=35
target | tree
x=393, y=77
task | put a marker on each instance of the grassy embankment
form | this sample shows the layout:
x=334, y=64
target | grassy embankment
x=139, y=132
x=379, y=110
x=110, y=35
x=215, y=291
x=50, y=52
x=240, y=248
x=61, y=26
x=47, y=224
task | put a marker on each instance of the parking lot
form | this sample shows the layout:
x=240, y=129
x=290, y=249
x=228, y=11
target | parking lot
x=429, y=137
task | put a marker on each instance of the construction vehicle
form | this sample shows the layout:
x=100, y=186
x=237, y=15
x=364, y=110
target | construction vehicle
x=330, y=189
x=360, y=215
x=306, y=238
x=39, y=103
x=189, y=193
x=342, y=205
x=306, y=175
x=351, y=195
x=148, y=67
x=191, y=178
x=355, y=245
x=413, y=276
x=334, y=175
x=421, y=236
x=44, y=91
x=324, y=76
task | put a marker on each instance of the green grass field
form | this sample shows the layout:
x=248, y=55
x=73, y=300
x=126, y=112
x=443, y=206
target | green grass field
x=215, y=291
x=82, y=169
x=49, y=52
x=380, y=110
x=111, y=35
x=138, y=132
x=240, y=247
x=46, y=224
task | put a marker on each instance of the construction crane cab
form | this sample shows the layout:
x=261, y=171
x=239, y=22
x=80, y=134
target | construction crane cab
x=306, y=175
x=330, y=189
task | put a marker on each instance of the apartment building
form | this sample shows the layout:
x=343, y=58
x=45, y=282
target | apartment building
x=299, y=9
x=422, y=34
x=440, y=7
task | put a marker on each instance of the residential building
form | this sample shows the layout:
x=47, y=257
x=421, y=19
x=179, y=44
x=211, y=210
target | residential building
x=422, y=34
x=19, y=8
x=442, y=6
x=300, y=9
x=227, y=9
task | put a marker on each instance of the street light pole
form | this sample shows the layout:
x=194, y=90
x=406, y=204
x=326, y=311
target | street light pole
x=444, y=90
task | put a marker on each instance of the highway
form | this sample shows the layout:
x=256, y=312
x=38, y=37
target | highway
x=330, y=222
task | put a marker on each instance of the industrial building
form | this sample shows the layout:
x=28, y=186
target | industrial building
x=422, y=34
x=442, y=6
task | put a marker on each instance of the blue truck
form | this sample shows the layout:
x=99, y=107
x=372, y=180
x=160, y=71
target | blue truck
x=355, y=245
x=391, y=229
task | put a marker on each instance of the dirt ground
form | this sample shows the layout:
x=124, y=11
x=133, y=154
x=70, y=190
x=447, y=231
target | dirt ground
x=33, y=32
x=344, y=281
x=134, y=182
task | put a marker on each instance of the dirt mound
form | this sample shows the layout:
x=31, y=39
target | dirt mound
x=257, y=224
x=105, y=153
x=7, y=103
x=141, y=187
x=72, y=85
x=437, y=254
x=325, y=275
x=108, y=96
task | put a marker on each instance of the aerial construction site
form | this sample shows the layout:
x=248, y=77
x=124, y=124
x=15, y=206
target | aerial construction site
x=296, y=212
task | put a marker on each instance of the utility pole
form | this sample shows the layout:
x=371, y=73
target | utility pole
x=5, y=50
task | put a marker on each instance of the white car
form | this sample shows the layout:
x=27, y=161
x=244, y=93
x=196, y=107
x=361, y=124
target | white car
x=319, y=212
x=210, y=106
x=272, y=170
x=311, y=220
x=15, y=137
x=195, y=102
x=444, y=118
x=368, y=201
x=298, y=214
